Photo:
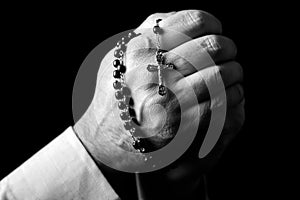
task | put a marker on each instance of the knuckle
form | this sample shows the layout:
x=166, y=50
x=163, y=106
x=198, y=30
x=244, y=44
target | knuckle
x=152, y=16
x=150, y=19
x=175, y=59
x=195, y=17
x=179, y=61
x=216, y=44
x=212, y=44
x=203, y=19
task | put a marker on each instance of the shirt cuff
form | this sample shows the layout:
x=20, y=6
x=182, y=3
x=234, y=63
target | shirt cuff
x=61, y=170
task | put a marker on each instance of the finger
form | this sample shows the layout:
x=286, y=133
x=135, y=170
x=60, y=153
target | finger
x=234, y=95
x=202, y=52
x=185, y=25
x=193, y=23
x=151, y=20
x=216, y=77
x=235, y=118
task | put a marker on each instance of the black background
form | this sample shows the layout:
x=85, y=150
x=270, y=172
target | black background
x=44, y=46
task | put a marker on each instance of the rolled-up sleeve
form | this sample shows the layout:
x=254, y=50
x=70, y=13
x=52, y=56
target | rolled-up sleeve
x=61, y=170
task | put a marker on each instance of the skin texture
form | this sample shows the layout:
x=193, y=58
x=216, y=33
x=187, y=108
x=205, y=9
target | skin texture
x=102, y=132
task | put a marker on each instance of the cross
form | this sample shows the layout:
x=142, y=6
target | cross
x=159, y=68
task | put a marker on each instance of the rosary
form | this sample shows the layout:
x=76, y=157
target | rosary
x=122, y=93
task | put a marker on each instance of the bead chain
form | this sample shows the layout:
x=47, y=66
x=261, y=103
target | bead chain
x=123, y=93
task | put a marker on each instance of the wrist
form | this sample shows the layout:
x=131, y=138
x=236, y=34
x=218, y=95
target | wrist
x=107, y=141
x=123, y=183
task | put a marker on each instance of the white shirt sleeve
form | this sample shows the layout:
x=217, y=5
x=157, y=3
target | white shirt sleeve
x=61, y=170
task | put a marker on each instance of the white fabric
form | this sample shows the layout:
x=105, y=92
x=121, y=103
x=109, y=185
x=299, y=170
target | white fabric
x=61, y=170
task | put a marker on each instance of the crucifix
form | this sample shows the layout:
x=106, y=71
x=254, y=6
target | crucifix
x=161, y=65
x=159, y=68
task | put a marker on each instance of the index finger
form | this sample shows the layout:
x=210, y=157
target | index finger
x=180, y=27
x=186, y=25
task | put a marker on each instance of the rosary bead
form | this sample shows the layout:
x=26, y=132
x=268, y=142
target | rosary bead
x=125, y=40
x=156, y=29
x=117, y=85
x=118, y=53
x=129, y=35
x=122, y=68
x=159, y=56
x=170, y=66
x=119, y=43
x=116, y=63
x=119, y=95
x=124, y=116
x=162, y=90
x=122, y=105
x=126, y=91
x=117, y=74
x=127, y=125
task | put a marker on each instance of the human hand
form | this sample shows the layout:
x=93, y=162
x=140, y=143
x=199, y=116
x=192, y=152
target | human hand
x=102, y=131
